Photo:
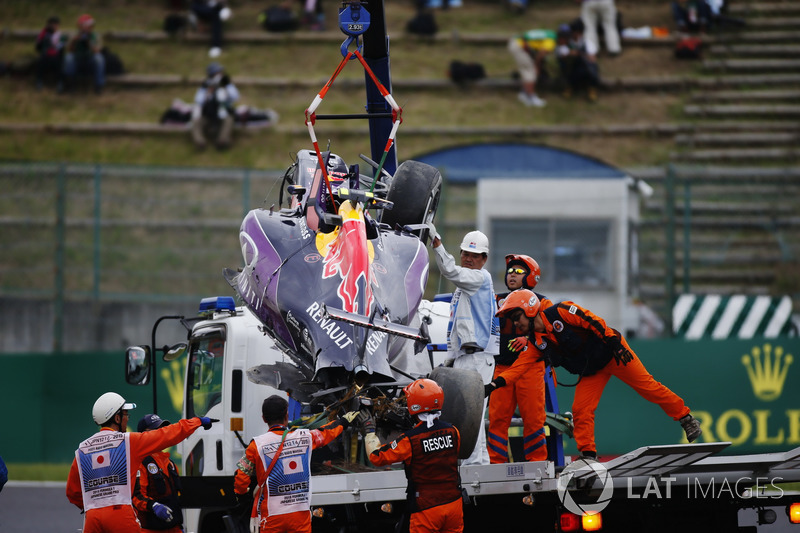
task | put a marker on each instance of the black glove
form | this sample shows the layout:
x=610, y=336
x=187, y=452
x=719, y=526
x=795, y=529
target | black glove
x=470, y=348
x=367, y=422
x=621, y=354
x=206, y=422
x=243, y=503
x=495, y=384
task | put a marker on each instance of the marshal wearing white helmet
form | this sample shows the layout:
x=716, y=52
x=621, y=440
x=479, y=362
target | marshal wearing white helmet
x=101, y=478
x=473, y=335
x=107, y=406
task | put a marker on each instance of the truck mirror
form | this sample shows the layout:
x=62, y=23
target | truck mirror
x=176, y=351
x=137, y=365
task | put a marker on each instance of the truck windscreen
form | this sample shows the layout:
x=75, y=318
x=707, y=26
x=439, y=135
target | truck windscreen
x=204, y=380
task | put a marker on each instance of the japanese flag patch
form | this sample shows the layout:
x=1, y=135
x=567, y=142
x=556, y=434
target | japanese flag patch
x=101, y=459
x=292, y=465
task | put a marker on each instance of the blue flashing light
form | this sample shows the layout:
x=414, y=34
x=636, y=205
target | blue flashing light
x=216, y=304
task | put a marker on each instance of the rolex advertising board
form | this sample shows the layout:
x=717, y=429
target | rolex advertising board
x=742, y=391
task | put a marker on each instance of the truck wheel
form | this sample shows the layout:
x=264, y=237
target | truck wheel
x=463, y=403
x=414, y=190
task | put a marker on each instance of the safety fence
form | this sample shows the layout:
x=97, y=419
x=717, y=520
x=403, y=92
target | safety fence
x=101, y=233
x=719, y=231
x=80, y=240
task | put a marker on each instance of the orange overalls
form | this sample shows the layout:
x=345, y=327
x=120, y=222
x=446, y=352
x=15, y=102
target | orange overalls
x=120, y=518
x=526, y=389
x=430, y=456
x=583, y=344
x=294, y=459
x=157, y=481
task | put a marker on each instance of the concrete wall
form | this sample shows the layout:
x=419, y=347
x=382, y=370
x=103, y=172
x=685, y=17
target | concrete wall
x=28, y=325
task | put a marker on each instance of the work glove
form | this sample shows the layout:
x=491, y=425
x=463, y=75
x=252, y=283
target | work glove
x=433, y=233
x=621, y=354
x=519, y=344
x=498, y=382
x=162, y=511
x=206, y=422
x=348, y=418
x=371, y=443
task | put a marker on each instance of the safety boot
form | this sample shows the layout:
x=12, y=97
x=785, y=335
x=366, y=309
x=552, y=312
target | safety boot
x=692, y=427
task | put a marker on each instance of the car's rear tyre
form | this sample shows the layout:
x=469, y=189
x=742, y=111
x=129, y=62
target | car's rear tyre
x=414, y=191
x=463, y=403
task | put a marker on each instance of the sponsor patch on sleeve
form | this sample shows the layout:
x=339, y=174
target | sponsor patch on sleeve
x=573, y=309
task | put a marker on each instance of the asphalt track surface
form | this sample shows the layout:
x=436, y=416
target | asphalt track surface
x=33, y=507
x=28, y=507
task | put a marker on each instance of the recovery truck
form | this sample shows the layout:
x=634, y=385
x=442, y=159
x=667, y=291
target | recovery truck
x=681, y=487
x=238, y=355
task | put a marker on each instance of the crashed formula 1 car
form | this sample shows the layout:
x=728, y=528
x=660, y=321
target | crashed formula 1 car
x=336, y=275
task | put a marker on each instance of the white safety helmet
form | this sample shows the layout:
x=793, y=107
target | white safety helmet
x=475, y=242
x=107, y=406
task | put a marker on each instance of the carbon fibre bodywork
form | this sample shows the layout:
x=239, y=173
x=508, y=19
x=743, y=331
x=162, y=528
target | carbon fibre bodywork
x=336, y=290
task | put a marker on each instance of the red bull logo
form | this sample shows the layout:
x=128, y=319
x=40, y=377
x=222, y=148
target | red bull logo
x=348, y=256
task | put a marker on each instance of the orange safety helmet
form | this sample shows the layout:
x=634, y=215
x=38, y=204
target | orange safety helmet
x=534, y=272
x=424, y=395
x=521, y=299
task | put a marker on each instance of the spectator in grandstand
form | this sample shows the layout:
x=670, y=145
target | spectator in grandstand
x=213, y=13
x=577, y=58
x=214, y=107
x=313, y=15
x=529, y=50
x=603, y=12
x=83, y=55
x=49, y=47
x=691, y=16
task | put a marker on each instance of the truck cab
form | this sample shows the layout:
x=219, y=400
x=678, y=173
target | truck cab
x=223, y=342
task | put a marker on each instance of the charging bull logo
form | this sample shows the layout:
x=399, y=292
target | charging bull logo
x=347, y=253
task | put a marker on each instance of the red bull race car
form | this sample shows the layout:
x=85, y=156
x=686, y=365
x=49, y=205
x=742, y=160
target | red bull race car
x=336, y=275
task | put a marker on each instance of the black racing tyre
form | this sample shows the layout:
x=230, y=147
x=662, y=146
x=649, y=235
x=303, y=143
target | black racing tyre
x=463, y=403
x=414, y=190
